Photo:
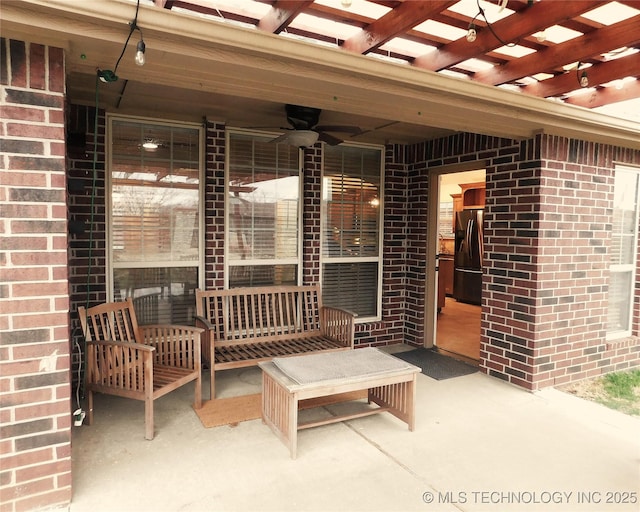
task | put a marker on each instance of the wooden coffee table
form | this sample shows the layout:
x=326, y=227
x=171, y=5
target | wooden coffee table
x=391, y=385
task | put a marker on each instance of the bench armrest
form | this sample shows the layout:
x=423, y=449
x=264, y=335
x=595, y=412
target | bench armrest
x=203, y=323
x=338, y=324
x=207, y=338
x=176, y=345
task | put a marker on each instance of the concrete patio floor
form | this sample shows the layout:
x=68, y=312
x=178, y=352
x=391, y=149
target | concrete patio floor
x=480, y=444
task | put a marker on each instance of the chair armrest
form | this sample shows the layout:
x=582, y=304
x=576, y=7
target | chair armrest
x=176, y=345
x=338, y=324
x=121, y=344
x=117, y=364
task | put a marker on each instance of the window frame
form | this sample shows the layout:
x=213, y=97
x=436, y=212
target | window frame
x=111, y=264
x=379, y=259
x=298, y=260
x=626, y=267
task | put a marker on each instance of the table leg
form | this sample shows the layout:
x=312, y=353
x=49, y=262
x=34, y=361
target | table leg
x=399, y=399
x=280, y=412
x=292, y=405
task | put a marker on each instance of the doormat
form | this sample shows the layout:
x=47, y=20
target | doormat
x=233, y=410
x=436, y=365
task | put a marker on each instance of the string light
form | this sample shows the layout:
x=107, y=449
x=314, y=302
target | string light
x=583, y=78
x=140, y=60
x=472, y=34
x=106, y=75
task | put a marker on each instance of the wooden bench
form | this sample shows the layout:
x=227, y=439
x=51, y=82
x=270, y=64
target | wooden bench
x=139, y=362
x=246, y=326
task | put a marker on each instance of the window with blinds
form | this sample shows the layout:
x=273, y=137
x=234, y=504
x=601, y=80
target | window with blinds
x=351, y=229
x=262, y=211
x=624, y=250
x=153, y=184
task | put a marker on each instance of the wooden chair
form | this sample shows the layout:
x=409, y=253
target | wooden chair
x=139, y=362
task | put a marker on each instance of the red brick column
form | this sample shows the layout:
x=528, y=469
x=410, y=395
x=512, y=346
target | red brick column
x=214, y=206
x=35, y=392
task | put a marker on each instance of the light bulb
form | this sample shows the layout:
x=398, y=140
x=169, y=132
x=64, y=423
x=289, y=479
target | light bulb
x=541, y=36
x=584, y=79
x=472, y=34
x=346, y=3
x=140, y=60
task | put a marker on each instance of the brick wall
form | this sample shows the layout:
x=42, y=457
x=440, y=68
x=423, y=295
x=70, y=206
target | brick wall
x=576, y=182
x=312, y=200
x=214, y=201
x=545, y=280
x=544, y=289
x=391, y=328
x=35, y=416
x=87, y=220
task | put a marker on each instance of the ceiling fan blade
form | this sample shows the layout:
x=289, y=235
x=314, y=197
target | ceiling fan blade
x=352, y=130
x=329, y=139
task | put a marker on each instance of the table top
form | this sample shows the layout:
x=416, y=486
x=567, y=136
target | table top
x=331, y=370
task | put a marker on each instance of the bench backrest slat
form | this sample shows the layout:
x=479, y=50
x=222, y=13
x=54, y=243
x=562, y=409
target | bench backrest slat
x=261, y=312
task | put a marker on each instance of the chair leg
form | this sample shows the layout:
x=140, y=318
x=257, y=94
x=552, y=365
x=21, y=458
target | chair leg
x=90, y=407
x=197, y=402
x=148, y=418
x=213, y=382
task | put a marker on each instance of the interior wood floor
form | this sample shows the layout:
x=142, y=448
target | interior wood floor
x=458, y=329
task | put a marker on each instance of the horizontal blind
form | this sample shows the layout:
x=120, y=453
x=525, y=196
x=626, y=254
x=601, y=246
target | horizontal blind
x=351, y=228
x=263, y=224
x=624, y=243
x=154, y=218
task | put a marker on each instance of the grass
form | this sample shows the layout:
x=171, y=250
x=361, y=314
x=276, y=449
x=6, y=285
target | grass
x=619, y=391
x=622, y=391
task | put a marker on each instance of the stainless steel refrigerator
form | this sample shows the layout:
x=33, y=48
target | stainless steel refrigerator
x=467, y=272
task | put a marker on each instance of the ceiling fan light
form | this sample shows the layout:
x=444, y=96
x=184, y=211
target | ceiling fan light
x=150, y=145
x=302, y=138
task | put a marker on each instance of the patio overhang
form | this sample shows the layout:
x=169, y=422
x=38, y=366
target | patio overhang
x=198, y=68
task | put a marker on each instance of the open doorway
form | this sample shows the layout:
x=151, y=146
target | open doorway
x=460, y=255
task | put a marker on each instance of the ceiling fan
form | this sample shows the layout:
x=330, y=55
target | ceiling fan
x=305, y=130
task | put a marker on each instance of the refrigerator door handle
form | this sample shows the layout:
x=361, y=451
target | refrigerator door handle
x=468, y=239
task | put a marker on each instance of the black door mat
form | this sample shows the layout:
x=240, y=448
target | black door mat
x=436, y=365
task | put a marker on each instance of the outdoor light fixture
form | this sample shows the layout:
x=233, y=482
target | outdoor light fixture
x=140, y=52
x=584, y=79
x=541, y=36
x=472, y=34
x=108, y=75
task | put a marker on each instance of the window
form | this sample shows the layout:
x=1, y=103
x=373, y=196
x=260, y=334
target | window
x=154, y=218
x=351, y=224
x=624, y=249
x=263, y=211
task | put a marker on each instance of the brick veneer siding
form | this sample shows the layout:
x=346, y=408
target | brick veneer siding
x=544, y=288
x=547, y=223
x=87, y=221
x=35, y=391
x=214, y=201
